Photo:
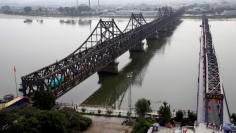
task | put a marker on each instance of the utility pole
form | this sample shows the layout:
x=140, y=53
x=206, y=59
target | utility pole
x=129, y=76
x=89, y=3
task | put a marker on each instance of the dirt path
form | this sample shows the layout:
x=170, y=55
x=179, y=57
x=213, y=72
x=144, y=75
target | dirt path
x=107, y=125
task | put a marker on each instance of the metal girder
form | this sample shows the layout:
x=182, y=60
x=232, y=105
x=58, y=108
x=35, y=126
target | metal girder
x=213, y=84
x=136, y=20
x=164, y=11
x=106, y=43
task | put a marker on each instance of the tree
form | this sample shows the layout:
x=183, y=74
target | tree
x=233, y=118
x=164, y=114
x=32, y=120
x=27, y=9
x=142, y=106
x=41, y=121
x=142, y=126
x=44, y=100
x=76, y=121
x=192, y=116
x=179, y=116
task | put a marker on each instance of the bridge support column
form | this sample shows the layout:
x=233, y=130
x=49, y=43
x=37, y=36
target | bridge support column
x=153, y=37
x=137, y=48
x=112, y=68
x=165, y=32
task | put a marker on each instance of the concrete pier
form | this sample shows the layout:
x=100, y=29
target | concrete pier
x=112, y=68
x=137, y=48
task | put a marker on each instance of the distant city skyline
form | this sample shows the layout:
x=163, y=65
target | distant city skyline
x=102, y=2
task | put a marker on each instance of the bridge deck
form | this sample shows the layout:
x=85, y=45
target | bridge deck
x=212, y=106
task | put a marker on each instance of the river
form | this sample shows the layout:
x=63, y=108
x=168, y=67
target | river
x=166, y=71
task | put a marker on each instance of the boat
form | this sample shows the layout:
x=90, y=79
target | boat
x=70, y=21
x=84, y=22
x=62, y=21
x=28, y=21
x=40, y=21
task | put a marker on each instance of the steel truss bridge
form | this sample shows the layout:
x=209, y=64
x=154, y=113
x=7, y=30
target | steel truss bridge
x=212, y=101
x=106, y=43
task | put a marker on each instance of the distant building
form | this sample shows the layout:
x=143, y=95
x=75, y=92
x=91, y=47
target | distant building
x=229, y=12
x=127, y=13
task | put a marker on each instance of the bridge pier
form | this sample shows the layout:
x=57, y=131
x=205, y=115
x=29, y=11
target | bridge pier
x=137, y=48
x=112, y=68
x=153, y=37
x=165, y=32
x=168, y=30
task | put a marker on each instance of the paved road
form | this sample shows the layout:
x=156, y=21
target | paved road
x=107, y=125
x=213, y=112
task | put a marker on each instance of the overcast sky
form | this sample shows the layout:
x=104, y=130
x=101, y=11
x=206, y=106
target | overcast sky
x=94, y=2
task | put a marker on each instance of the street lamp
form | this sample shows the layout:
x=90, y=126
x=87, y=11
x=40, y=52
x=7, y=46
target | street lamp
x=129, y=76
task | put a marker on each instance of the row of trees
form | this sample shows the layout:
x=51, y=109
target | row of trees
x=142, y=124
x=75, y=11
x=42, y=117
x=32, y=120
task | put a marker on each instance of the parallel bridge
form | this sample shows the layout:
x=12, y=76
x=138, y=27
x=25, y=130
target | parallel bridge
x=100, y=50
x=212, y=102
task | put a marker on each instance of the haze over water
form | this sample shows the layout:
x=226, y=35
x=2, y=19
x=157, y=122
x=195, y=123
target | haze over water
x=166, y=71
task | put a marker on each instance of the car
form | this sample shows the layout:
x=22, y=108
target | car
x=229, y=128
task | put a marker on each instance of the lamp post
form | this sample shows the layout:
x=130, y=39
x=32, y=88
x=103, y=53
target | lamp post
x=129, y=76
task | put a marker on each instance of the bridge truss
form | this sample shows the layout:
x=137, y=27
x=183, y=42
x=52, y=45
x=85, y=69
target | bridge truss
x=211, y=90
x=106, y=43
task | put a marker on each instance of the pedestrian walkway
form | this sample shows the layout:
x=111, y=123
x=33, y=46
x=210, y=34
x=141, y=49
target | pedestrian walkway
x=107, y=125
x=201, y=128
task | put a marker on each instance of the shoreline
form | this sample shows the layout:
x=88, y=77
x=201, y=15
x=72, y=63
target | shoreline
x=2, y=15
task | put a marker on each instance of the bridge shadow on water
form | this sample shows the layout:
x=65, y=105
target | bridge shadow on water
x=114, y=87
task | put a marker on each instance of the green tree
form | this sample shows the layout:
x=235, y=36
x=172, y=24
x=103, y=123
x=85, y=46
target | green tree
x=164, y=114
x=192, y=116
x=32, y=120
x=233, y=118
x=76, y=121
x=44, y=100
x=142, y=106
x=179, y=115
x=142, y=126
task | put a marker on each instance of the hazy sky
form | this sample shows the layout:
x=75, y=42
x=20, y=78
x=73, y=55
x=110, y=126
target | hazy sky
x=94, y=2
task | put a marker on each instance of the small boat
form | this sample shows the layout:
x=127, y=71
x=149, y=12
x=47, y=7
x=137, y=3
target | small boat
x=28, y=21
x=84, y=22
x=62, y=21
x=70, y=21
x=41, y=21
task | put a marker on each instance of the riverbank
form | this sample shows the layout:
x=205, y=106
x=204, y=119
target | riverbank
x=210, y=17
x=186, y=16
